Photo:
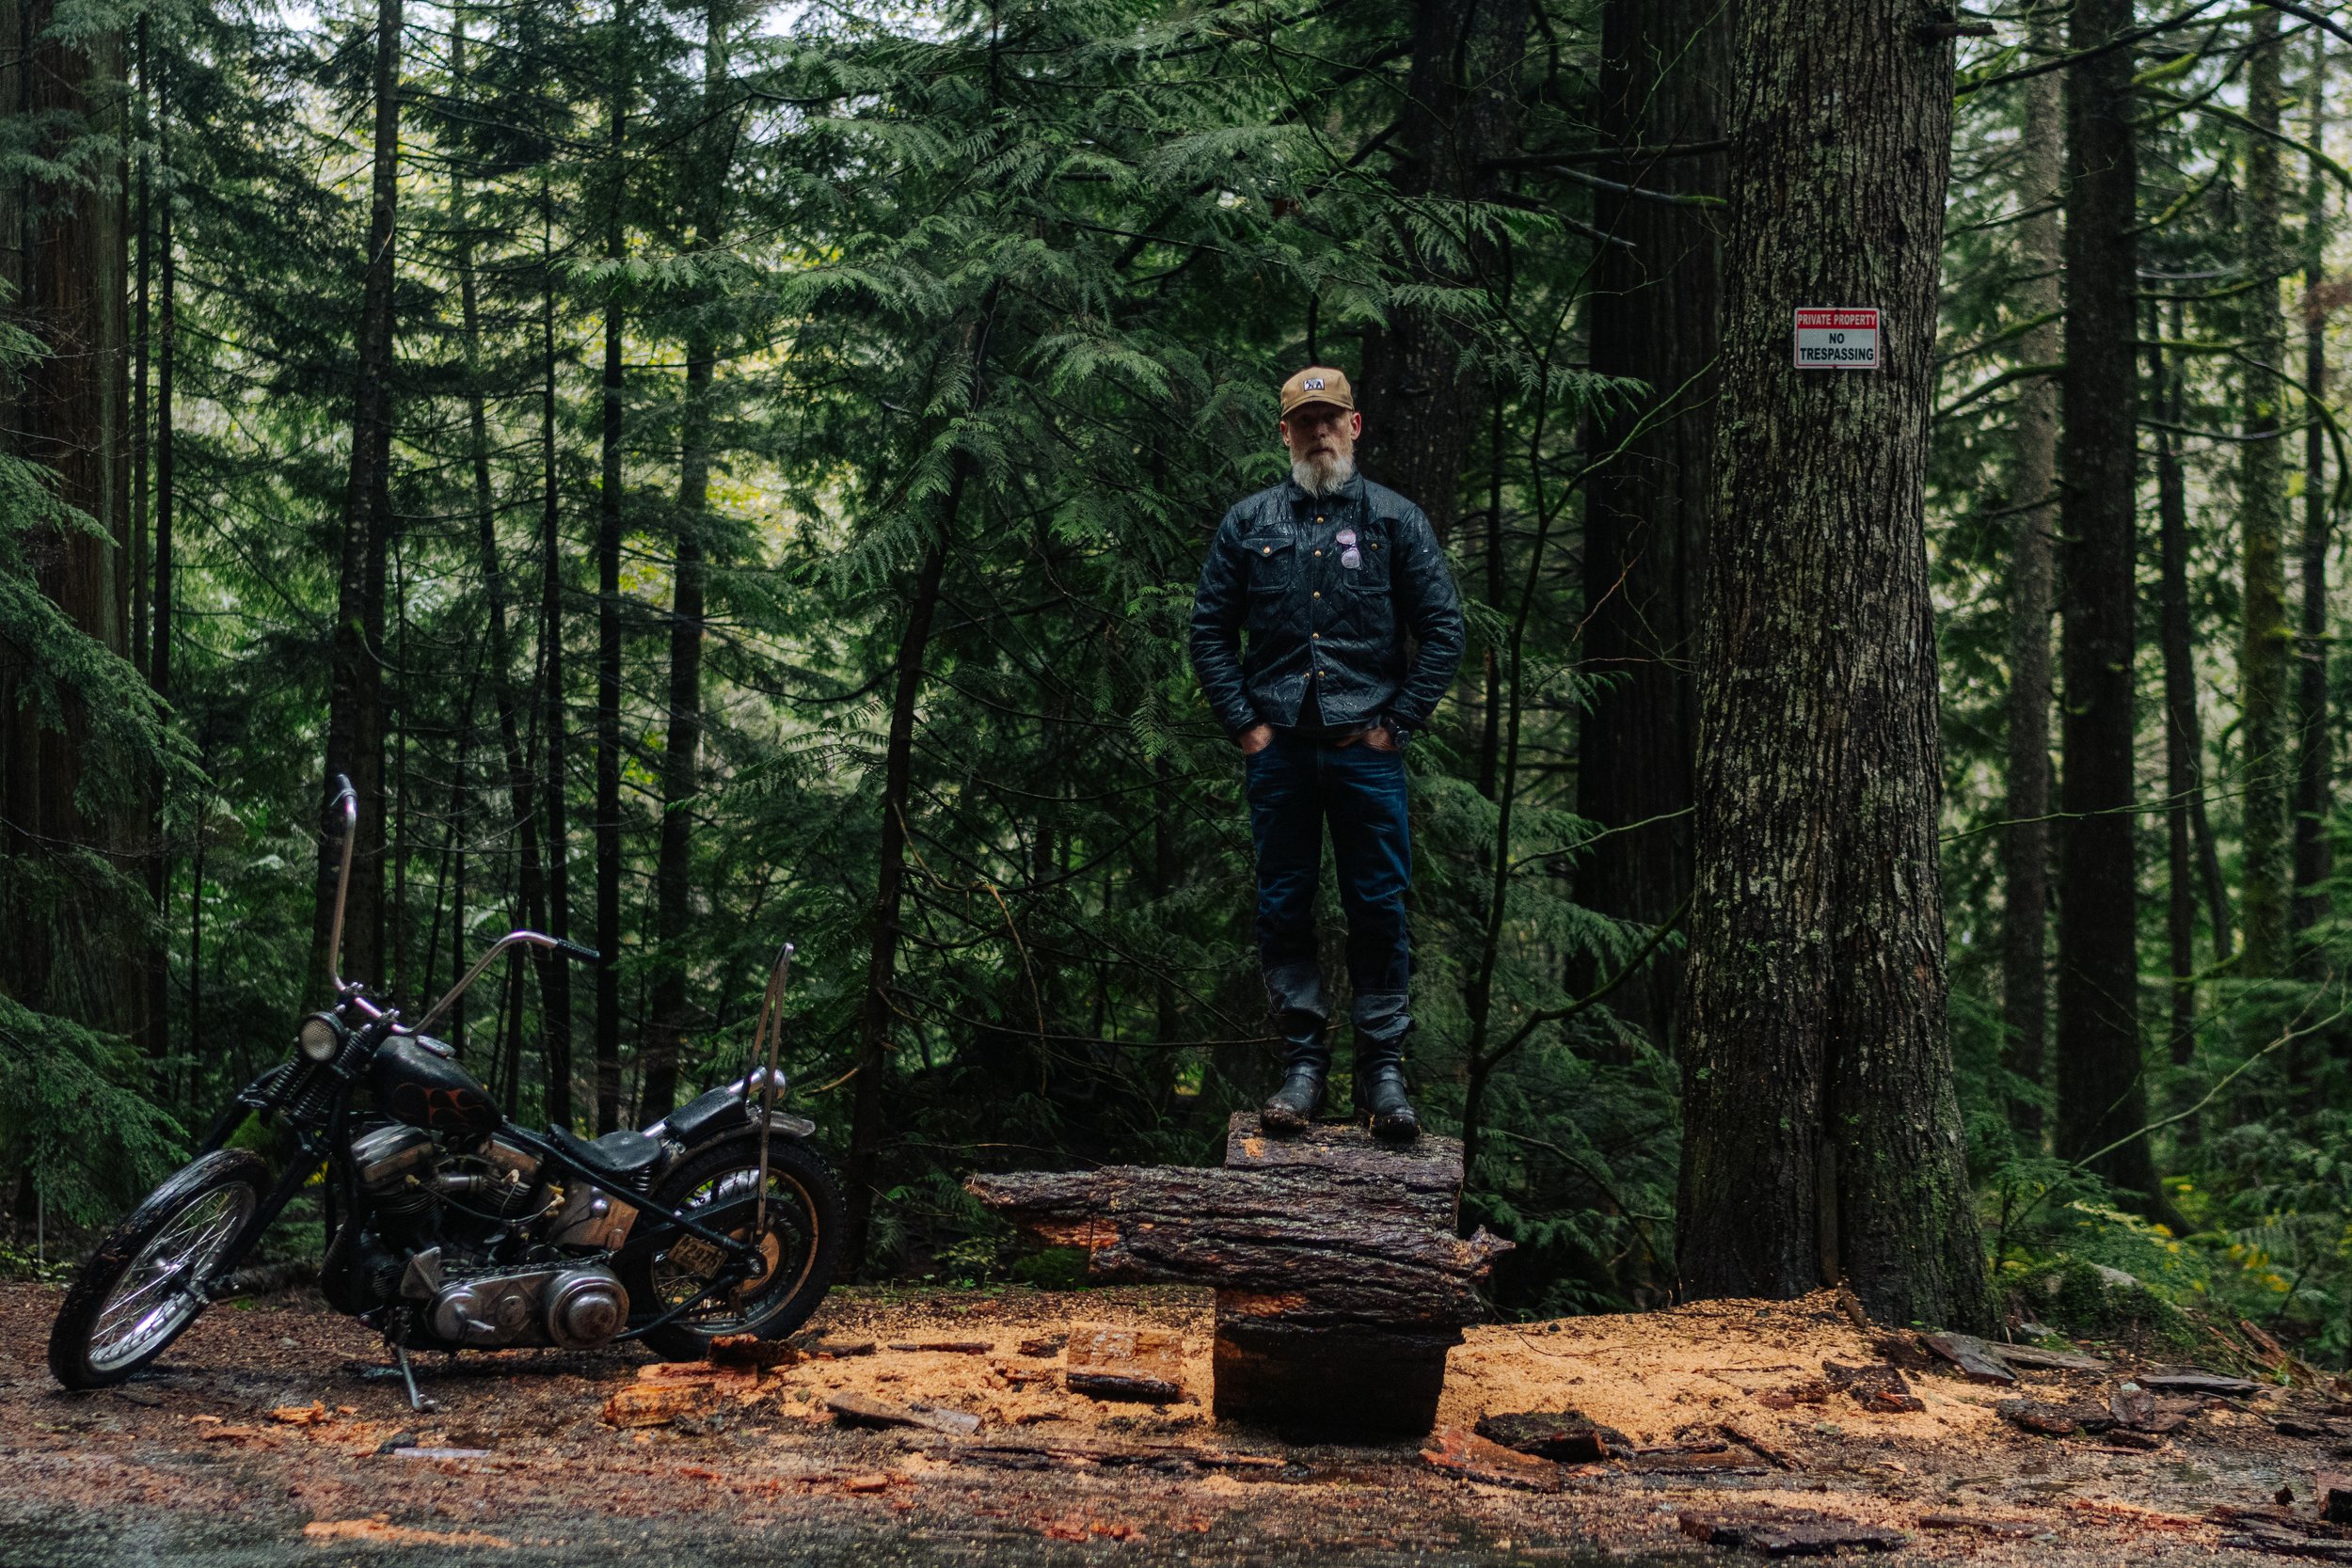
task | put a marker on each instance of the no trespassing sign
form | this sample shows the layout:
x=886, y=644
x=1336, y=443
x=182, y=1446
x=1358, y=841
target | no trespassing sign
x=1838, y=338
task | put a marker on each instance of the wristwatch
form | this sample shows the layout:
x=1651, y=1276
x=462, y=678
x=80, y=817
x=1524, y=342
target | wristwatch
x=1397, y=732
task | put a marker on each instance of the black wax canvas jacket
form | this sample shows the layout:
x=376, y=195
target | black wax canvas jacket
x=1319, y=628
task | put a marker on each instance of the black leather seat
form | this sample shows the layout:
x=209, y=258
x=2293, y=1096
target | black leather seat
x=625, y=1156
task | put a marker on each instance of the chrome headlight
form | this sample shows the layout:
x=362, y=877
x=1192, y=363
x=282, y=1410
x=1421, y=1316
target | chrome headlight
x=320, y=1039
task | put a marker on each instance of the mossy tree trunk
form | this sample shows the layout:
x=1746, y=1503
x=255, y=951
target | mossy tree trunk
x=1821, y=1129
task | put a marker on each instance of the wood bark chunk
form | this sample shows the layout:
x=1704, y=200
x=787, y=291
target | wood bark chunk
x=1331, y=1246
x=750, y=1350
x=1977, y=1361
x=2037, y=1359
x=2333, y=1488
x=858, y=1410
x=1107, y=1362
x=1769, y=1454
x=1563, y=1437
x=2013, y=1529
x=2196, y=1380
x=2287, y=1426
x=2136, y=1408
x=1044, y=1345
x=658, y=1404
x=1879, y=1387
x=1474, y=1458
x=944, y=1347
x=2034, y=1415
x=1791, y=1532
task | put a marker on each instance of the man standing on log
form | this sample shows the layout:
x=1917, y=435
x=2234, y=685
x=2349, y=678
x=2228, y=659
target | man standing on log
x=1331, y=574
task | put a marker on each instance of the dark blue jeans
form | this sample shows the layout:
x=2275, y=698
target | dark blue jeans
x=1296, y=787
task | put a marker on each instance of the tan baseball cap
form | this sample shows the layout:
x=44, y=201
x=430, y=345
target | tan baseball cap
x=1318, y=384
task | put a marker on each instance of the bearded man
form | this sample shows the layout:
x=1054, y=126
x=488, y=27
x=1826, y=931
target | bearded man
x=1335, y=579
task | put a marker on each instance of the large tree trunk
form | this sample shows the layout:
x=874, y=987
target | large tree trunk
x=607, y=830
x=2313, y=859
x=506, y=695
x=876, y=1010
x=1459, y=111
x=681, y=751
x=2183, y=743
x=556, y=1026
x=2267, y=864
x=74, y=943
x=1663, y=65
x=2102, y=1092
x=355, y=730
x=2026, y=840
x=1821, y=1129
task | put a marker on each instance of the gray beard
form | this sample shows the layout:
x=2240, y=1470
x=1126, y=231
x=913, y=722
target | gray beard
x=1321, y=477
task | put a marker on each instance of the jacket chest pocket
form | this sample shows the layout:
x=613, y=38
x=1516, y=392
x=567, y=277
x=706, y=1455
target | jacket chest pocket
x=1273, y=562
x=1370, y=575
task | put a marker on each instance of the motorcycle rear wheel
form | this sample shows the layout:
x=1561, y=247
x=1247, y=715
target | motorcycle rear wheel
x=803, y=1245
x=139, y=1290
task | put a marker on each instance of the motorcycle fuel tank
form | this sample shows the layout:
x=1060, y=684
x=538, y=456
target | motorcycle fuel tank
x=429, y=1092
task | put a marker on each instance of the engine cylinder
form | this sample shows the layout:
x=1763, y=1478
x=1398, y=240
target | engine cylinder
x=390, y=1163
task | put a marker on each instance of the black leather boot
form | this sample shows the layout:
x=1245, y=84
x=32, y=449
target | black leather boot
x=1381, y=1025
x=1295, y=991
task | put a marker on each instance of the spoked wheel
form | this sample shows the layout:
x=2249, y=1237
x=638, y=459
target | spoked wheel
x=142, y=1286
x=800, y=1246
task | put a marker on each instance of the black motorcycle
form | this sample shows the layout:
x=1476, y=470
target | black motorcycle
x=449, y=1227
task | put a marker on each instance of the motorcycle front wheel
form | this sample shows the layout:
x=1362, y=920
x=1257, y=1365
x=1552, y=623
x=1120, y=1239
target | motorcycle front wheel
x=801, y=1245
x=142, y=1286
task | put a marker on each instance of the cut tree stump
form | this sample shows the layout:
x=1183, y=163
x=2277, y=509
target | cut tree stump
x=1341, y=1283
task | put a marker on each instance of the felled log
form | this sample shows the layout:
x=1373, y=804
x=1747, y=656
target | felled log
x=1314, y=1244
x=1339, y=1282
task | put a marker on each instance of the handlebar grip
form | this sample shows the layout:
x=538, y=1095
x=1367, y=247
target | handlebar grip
x=576, y=952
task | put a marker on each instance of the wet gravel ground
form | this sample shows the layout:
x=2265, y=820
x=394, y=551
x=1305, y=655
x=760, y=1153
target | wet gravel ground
x=269, y=1437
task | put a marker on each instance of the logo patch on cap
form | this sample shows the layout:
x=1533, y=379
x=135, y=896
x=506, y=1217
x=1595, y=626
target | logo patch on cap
x=1313, y=383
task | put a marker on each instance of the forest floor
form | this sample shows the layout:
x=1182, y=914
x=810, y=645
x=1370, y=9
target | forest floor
x=268, y=1437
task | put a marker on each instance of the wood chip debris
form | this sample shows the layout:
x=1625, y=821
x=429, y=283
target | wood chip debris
x=860, y=1410
x=1474, y=1458
x=1791, y=1532
x=658, y=1404
x=1104, y=1361
x=1878, y=1387
x=750, y=1350
x=943, y=1347
x=1563, y=1437
x=2010, y=1529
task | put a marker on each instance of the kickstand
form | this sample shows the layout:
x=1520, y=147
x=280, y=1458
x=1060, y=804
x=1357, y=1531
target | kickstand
x=415, y=1402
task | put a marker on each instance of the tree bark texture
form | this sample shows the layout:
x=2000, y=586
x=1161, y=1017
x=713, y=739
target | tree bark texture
x=1314, y=1247
x=1458, y=111
x=355, y=732
x=1664, y=69
x=72, y=944
x=2102, y=1091
x=681, y=754
x=2313, y=798
x=556, y=1026
x=2032, y=502
x=2183, y=741
x=2267, y=849
x=1821, y=1129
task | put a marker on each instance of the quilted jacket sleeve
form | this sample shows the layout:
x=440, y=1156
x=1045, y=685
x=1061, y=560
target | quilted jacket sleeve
x=1431, y=609
x=1218, y=607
